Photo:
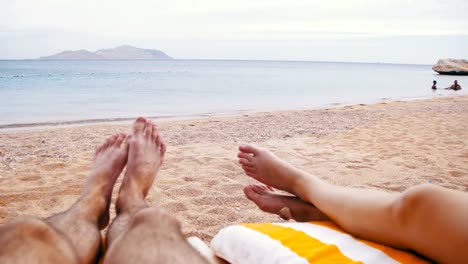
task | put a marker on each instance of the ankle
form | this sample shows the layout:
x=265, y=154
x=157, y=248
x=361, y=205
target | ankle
x=91, y=207
x=305, y=185
x=129, y=202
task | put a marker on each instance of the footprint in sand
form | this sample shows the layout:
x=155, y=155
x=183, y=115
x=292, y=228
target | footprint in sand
x=188, y=179
x=30, y=178
x=456, y=174
x=53, y=166
x=357, y=167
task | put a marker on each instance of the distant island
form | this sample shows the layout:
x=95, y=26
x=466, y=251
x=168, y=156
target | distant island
x=124, y=52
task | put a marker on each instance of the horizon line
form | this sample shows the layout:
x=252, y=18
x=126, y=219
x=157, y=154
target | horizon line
x=223, y=59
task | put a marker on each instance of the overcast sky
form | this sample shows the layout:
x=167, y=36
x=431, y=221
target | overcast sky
x=398, y=31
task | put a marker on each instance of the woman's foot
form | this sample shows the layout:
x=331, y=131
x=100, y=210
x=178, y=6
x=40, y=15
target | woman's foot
x=267, y=168
x=145, y=157
x=287, y=207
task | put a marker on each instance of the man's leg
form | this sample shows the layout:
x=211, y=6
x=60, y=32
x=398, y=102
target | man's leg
x=72, y=236
x=286, y=206
x=141, y=234
x=31, y=240
x=428, y=219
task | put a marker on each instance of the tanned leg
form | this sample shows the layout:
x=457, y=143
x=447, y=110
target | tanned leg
x=72, y=236
x=286, y=206
x=428, y=219
x=141, y=234
x=31, y=240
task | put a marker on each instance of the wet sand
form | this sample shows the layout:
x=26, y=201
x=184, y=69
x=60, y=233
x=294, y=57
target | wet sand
x=387, y=146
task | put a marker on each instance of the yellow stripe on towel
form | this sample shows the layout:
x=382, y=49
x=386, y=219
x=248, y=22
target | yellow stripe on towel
x=398, y=255
x=303, y=245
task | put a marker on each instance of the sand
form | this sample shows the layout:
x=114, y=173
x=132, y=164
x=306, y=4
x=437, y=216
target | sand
x=387, y=146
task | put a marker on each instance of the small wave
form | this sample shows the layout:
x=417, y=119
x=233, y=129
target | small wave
x=121, y=119
x=75, y=122
x=61, y=123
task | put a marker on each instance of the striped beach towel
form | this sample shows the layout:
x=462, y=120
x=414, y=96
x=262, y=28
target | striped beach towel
x=314, y=242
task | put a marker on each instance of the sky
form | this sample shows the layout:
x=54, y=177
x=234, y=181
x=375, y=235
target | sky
x=394, y=31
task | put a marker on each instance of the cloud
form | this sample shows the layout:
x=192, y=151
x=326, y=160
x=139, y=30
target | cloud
x=215, y=17
x=176, y=24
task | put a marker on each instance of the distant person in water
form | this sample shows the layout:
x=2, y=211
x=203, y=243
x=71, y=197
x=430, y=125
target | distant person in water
x=455, y=86
x=434, y=87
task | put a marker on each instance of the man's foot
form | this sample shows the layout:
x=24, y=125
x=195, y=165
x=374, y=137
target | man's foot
x=145, y=157
x=267, y=168
x=287, y=207
x=108, y=162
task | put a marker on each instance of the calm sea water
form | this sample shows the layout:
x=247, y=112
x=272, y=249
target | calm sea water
x=55, y=91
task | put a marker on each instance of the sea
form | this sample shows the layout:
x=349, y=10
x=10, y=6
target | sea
x=41, y=92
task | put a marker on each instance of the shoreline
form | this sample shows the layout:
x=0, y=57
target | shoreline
x=12, y=127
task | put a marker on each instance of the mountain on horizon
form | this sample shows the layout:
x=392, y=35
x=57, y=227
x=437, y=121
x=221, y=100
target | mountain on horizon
x=124, y=52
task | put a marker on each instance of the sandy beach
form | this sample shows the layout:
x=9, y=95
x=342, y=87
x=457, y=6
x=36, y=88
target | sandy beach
x=388, y=146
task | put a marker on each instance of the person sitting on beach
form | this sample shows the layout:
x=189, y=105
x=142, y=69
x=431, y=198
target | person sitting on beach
x=138, y=234
x=434, y=87
x=455, y=86
x=427, y=219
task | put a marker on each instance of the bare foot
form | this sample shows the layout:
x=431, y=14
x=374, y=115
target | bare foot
x=108, y=163
x=145, y=157
x=265, y=167
x=287, y=207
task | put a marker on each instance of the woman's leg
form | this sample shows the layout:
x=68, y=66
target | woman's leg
x=428, y=219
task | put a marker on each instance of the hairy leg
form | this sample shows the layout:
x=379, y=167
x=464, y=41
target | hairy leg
x=428, y=219
x=140, y=233
x=286, y=206
x=74, y=234
x=31, y=240
x=152, y=235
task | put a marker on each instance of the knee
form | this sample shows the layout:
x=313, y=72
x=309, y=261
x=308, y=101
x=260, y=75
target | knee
x=34, y=238
x=34, y=228
x=409, y=204
x=155, y=216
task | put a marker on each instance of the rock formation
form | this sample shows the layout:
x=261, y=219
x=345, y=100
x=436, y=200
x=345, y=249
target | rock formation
x=451, y=67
